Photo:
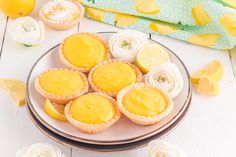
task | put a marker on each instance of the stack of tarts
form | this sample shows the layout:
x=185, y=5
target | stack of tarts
x=103, y=80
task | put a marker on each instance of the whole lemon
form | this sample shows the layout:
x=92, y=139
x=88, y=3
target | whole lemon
x=17, y=8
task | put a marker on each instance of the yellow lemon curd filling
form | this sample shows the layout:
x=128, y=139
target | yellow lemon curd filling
x=61, y=82
x=114, y=76
x=92, y=109
x=84, y=51
x=144, y=102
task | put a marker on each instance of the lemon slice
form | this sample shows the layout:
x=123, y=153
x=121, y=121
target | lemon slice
x=213, y=69
x=54, y=110
x=15, y=88
x=150, y=56
x=208, y=86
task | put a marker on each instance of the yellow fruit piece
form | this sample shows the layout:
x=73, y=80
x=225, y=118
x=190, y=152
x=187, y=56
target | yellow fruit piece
x=162, y=28
x=15, y=88
x=17, y=8
x=208, y=86
x=228, y=21
x=95, y=13
x=124, y=20
x=231, y=3
x=207, y=40
x=200, y=15
x=213, y=69
x=150, y=56
x=54, y=110
x=147, y=6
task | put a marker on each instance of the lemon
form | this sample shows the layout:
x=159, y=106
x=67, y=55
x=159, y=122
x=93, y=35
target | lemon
x=162, y=28
x=15, y=88
x=147, y=6
x=54, y=110
x=17, y=8
x=231, y=3
x=200, y=15
x=150, y=56
x=96, y=14
x=213, y=69
x=228, y=21
x=124, y=20
x=207, y=40
x=208, y=86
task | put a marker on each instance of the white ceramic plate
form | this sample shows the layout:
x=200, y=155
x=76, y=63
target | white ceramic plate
x=124, y=131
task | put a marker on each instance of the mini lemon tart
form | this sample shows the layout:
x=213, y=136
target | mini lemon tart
x=61, y=14
x=144, y=104
x=92, y=112
x=61, y=85
x=83, y=51
x=112, y=75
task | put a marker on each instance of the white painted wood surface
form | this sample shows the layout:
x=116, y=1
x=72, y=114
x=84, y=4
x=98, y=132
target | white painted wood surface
x=207, y=131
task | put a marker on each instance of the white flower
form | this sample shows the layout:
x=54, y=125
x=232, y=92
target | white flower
x=27, y=31
x=163, y=149
x=124, y=44
x=167, y=77
x=39, y=150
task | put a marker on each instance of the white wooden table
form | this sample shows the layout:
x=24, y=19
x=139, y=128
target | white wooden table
x=209, y=130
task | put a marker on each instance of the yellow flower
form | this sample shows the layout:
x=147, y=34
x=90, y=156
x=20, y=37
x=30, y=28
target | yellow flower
x=228, y=21
x=207, y=40
x=200, y=15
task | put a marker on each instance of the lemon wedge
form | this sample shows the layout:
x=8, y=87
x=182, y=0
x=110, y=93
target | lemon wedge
x=213, y=69
x=54, y=110
x=208, y=86
x=150, y=56
x=15, y=88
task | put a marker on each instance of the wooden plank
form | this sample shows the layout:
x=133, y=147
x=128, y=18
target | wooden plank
x=232, y=54
x=3, y=24
x=210, y=119
x=17, y=129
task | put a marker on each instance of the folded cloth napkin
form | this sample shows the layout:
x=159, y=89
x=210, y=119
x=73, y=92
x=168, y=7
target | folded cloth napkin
x=210, y=23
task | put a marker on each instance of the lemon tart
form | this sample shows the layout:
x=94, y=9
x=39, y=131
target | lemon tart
x=61, y=14
x=92, y=112
x=61, y=85
x=112, y=75
x=83, y=51
x=144, y=104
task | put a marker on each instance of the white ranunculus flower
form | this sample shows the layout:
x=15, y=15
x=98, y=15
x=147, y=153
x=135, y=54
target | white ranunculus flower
x=39, y=150
x=124, y=44
x=27, y=31
x=167, y=77
x=160, y=148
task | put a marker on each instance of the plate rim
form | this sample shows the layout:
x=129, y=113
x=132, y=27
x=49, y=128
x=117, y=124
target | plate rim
x=47, y=132
x=128, y=140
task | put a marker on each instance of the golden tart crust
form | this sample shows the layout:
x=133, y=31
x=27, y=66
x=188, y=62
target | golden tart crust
x=71, y=65
x=60, y=98
x=141, y=118
x=95, y=87
x=61, y=24
x=93, y=127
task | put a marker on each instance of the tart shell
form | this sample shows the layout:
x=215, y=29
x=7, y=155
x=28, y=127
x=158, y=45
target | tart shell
x=139, y=119
x=70, y=65
x=63, y=25
x=62, y=99
x=93, y=128
x=113, y=94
